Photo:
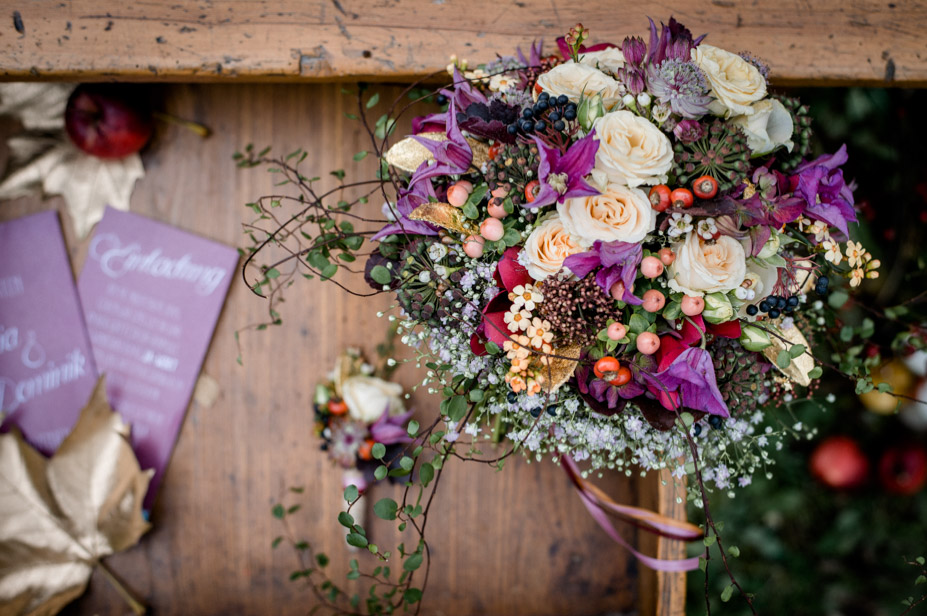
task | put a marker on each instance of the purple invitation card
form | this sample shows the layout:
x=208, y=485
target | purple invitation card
x=152, y=295
x=46, y=366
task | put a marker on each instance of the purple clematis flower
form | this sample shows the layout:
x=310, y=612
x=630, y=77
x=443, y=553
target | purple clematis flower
x=827, y=196
x=451, y=157
x=417, y=194
x=390, y=429
x=534, y=56
x=462, y=96
x=618, y=261
x=562, y=176
x=769, y=208
x=689, y=382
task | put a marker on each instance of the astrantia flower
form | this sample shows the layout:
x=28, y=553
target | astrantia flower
x=682, y=85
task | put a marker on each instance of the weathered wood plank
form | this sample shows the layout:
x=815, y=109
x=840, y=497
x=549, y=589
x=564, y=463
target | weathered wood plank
x=874, y=42
x=513, y=542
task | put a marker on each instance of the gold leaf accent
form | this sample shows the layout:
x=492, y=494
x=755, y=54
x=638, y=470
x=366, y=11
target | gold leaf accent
x=560, y=368
x=408, y=154
x=59, y=517
x=800, y=366
x=445, y=216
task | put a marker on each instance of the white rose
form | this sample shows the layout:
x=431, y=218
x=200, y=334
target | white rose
x=619, y=213
x=576, y=80
x=761, y=279
x=768, y=127
x=705, y=266
x=547, y=246
x=367, y=397
x=632, y=150
x=736, y=83
x=607, y=60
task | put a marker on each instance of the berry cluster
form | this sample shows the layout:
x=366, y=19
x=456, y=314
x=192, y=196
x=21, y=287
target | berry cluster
x=549, y=110
x=775, y=306
x=821, y=286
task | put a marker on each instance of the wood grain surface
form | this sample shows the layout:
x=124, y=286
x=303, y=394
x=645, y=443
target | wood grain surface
x=504, y=543
x=875, y=42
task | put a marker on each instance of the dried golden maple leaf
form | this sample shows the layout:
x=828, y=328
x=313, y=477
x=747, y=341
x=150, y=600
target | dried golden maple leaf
x=59, y=517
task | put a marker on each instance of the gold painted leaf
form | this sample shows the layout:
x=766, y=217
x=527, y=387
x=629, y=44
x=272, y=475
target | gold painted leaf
x=60, y=517
x=407, y=155
x=800, y=366
x=445, y=216
x=560, y=369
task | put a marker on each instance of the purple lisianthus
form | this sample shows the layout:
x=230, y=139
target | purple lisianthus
x=673, y=43
x=618, y=261
x=562, y=176
x=827, y=196
x=682, y=85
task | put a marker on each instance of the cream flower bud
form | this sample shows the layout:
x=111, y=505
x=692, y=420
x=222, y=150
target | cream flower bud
x=718, y=308
x=753, y=338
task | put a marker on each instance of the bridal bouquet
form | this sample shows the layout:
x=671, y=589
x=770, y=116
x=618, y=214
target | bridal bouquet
x=622, y=256
x=618, y=249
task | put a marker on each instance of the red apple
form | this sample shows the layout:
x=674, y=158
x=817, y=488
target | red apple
x=903, y=469
x=839, y=463
x=108, y=120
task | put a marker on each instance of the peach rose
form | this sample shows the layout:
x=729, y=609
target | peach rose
x=632, y=150
x=706, y=266
x=606, y=60
x=619, y=213
x=547, y=246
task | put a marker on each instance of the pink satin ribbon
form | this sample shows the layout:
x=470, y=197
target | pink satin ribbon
x=600, y=506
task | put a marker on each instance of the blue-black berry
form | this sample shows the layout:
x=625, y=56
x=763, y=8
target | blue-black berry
x=552, y=410
x=569, y=114
x=527, y=113
x=563, y=99
x=540, y=126
x=536, y=412
x=774, y=313
x=793, y=301
x=714, y=421
x=511, y=397
x=559, y=125
x=765, y=306
x=752, y=310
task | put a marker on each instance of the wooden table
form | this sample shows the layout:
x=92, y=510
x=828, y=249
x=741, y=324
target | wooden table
x=515, y=542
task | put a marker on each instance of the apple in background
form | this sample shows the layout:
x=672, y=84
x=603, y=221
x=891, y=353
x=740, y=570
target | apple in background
x=903, y=469
x=839, y=463
x=108, y=120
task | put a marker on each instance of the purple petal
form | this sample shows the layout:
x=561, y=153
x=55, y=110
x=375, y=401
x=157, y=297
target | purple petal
x=692, y=375
x=582, y=263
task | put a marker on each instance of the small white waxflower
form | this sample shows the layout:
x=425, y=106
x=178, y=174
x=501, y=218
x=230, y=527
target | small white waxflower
x=527, y=296
x=855, y=253
x=832, y=252
x=679, y=224
x=707, y=228
x=517, y=320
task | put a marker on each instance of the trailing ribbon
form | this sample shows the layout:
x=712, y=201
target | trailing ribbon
x=600, y=506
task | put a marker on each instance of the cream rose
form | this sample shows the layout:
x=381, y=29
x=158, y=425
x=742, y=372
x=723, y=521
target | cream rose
x=619, y=213
x=606, y=60
x=705, y=266
x=632, y=150
x=547, y=246
x=735, y=83
x=367, y=397
x=768, y=127
x=576, y=80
